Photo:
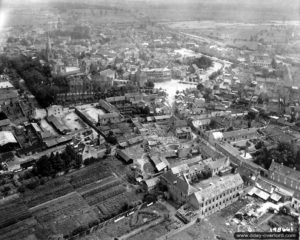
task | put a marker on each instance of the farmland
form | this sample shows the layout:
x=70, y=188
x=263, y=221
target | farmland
x=49, y=191
x=88, y=175
x=63, y=215
x=109, y=196
x=140, y=218
x=12, y=212
x=21, y=230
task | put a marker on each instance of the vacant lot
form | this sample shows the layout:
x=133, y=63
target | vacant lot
x=214, y=225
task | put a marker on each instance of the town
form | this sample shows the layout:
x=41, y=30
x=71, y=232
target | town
x=118, y=121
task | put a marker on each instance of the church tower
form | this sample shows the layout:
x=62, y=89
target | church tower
x=49, y=54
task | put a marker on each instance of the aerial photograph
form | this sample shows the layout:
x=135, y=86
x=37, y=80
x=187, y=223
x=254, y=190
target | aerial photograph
x=149, y=119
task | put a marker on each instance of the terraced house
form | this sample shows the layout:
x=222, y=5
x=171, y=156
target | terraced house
x=289, y=178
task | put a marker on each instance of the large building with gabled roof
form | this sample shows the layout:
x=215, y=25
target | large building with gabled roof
x=217, y=195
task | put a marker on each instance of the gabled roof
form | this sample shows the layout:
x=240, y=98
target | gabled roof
x=7, y=137
x=178, y=182
x=225, y=183
x=285, y=172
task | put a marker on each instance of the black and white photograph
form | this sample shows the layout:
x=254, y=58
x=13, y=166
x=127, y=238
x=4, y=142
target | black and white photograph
x=149, y=119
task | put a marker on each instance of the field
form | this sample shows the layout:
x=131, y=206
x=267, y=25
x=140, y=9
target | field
x=89, y=174
x=22, y=230
x=63, y=215
x=12, y=212
x=132, y=222
x=109, y=196
x=49, y=191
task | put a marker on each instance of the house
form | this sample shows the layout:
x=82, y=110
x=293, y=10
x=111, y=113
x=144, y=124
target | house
x=57, y=124
x=124, y=156
x=200, y=124
x=108, y=76
x=157, y=74
x=219, y=194
x=164, y=119
x=178, y=187
x=231, y=136
x=151, y=183
x=159, y=162
x=218, y=165
x=287, y=177
x=7, y=141
x=109, y=118
x=183, y=133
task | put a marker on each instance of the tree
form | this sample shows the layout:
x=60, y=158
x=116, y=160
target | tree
x=251, y=115
x=200, y=87
x=203, y=62
x=149, y=84
x=285, y=210
x=111, y=138
x=213, y=124
x=57, y=163
x=44, y=166
x=274, y=64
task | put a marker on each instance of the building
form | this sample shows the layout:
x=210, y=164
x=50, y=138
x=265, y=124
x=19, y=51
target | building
x=179, y=188
x=124, y=156
x=159, y=162
x=88, y=144
x=8, y=141
x=163, y=119
x=55, y=110
x=231, y=136
x=183, y=133
x=219, y=194
x=57, y=124
x=108, y=76
x=157, y=74
x=109, y=118
x=289, y=178
x=218, y=166
x=8, y=93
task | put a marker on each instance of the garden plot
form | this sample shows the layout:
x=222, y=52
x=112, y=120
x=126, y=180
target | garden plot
x=64, y=215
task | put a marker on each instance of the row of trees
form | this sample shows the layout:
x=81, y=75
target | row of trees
x=203, y=62
x=284, y=153
x=205, y=174
x=55, y=163
x=37, y=77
